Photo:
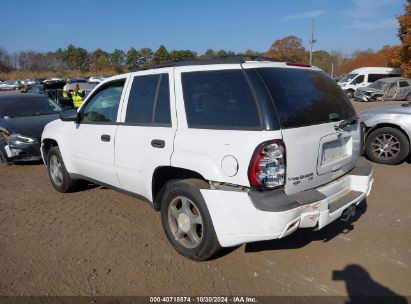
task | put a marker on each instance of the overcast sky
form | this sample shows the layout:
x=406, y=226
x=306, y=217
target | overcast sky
x=236, y=25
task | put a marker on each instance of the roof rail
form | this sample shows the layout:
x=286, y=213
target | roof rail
x=225, y=59
x=244, y=58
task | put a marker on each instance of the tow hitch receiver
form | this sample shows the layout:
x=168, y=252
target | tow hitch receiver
x=348, y=213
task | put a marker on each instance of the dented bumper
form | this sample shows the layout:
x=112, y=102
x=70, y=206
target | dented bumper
x=241, y=217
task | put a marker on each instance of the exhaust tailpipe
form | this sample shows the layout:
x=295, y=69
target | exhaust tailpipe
x=348, y=213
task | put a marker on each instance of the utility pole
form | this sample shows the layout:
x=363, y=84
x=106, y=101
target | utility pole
x=312, y=41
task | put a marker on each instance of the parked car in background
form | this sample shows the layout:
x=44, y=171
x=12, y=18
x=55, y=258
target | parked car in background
x=387, y=133
x=9, y=86
x=95, y=79
x=22, y=120
x=363, y=77
x=394, y=88
x=34, y=89
x=76, y=80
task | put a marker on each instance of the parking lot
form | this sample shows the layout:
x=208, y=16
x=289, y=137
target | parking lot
x=101, y=242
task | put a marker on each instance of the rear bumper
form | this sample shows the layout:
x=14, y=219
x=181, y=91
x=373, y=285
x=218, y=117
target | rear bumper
x=241, y=217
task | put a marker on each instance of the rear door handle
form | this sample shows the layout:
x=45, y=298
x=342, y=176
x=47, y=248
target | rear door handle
x=105, y=137
x=158, y=143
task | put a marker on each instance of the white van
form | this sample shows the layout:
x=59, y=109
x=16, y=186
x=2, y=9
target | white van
x=363, y=77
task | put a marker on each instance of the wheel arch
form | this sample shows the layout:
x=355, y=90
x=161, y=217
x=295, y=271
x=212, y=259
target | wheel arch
x=46, y=145
x=369, y=130
x=164, y=174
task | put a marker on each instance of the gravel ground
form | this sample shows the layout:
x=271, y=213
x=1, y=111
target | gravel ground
x=100, y=242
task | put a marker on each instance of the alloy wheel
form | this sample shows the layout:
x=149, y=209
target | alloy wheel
x=185, y=221
x=385, y=146
x=56, y=170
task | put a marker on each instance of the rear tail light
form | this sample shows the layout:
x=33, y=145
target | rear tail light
x=267, y=167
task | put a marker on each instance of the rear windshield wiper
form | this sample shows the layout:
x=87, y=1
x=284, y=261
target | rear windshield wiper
x=345, y=122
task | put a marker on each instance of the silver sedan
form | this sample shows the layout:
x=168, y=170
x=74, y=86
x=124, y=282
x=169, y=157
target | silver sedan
x=387, y=133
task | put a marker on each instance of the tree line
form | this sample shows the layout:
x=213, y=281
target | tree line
x=97, y=61
x=288, y=49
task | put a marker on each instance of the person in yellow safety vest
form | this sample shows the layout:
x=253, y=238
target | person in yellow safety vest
x=66, y=89
x=77, y=96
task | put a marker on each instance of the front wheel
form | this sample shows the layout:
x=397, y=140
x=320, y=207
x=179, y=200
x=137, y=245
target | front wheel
x=186, y=220
x=350, y=93
x=387, y=146
x=59, y=177
x=3, y=157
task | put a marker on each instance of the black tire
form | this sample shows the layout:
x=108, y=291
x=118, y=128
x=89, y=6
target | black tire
x=350, y=94
x=408, y=98
x=387, y=146
x=205, y=243
x=61, y=181
x=3, y=157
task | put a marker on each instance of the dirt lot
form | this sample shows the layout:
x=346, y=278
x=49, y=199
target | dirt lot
x=100, y=242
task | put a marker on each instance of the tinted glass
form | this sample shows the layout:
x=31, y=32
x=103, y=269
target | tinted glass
x=374, y=77
x=404, y=84
x=141, y=100
x=358, y=80
x=305, y=97
x=28, y=107
x=103, y=106
x=219, y=99
x=162, y=108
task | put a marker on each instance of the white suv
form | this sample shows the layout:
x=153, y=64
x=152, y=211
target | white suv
x=231, y=151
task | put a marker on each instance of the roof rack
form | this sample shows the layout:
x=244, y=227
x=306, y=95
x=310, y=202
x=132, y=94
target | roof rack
x=225, y=59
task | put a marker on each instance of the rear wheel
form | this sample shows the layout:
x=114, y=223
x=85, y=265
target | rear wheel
x=408, y=98
x=186, y=220
x=387, y=146
x=59, y=177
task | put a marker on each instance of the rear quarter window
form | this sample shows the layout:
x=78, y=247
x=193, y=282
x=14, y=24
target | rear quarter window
x=219, y=100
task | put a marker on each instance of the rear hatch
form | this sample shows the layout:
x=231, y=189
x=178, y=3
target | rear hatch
x=313, y=113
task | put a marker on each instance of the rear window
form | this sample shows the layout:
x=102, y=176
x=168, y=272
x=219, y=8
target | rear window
x=305, y=97
x=219, y=100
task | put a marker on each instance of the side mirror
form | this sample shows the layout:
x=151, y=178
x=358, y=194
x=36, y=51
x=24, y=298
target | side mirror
x=69, y=115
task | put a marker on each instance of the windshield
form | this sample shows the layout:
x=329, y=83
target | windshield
x=348, y=77
x=28, y=107
x=305, y=97
x=377, y=85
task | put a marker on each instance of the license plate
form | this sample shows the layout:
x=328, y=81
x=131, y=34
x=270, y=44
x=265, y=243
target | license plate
x=335, y=150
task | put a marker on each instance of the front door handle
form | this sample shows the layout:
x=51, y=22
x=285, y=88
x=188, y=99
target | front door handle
x=105, y=137
x=158, y=143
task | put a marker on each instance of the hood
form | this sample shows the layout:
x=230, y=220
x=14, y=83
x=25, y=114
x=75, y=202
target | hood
x=31, y=126
x=389, y=110
x=370, y=89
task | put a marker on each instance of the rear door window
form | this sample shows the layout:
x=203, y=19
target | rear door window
x=305, y=97
x=219, y=100
x=149, y=101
